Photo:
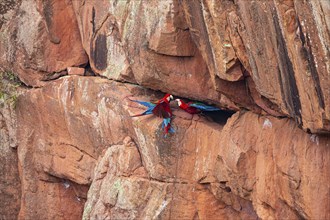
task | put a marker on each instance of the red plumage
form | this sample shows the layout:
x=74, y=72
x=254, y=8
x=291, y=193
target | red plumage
x=162, y=108
x=190, y=109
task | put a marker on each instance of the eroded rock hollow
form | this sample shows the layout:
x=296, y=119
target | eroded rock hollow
x=71, y=150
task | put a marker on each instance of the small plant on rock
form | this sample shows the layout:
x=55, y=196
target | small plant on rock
x=9, y=84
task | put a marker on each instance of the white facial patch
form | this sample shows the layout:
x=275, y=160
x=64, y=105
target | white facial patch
x=170, y=97
x=179, y=101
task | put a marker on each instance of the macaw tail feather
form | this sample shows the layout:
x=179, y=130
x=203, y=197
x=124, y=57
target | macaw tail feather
x=132, y=116
x=146, y=104
x=149, y=105
x=168, y=129
x=205, y=107
x=148, y=112
x=171, y=130
x=166, y=122
x=166, y=125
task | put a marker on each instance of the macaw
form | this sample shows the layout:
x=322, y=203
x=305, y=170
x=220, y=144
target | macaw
x=161, y=109
x=195, y=107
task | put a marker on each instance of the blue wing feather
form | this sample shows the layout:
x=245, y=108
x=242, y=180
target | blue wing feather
x=166, y=122
x=204, y=107
x=149, y=105
x=146, y=104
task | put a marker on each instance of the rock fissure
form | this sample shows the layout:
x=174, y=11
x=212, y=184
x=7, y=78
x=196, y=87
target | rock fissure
x=287, y=75
x=79, y=149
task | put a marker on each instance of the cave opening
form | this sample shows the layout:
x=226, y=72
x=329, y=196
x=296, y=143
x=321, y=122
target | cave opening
x=220, y=116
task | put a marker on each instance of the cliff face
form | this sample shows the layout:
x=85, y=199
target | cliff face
x=81, y=155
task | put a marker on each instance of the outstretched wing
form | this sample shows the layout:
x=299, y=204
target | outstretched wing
x=146, y=104
x=147, y=112
x=204, y=107
x=149, y=105
x=162, y=110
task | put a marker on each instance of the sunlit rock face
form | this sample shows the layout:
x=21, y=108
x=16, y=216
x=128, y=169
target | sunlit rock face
x=280, y=45
x=39, y=39
x=71, y=150
x=265, y=56
x=269, y=57
x=10, y=185
x=244, y=164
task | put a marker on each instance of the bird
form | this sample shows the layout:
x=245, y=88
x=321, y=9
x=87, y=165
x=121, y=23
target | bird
x=160, y=108
x=195, y=107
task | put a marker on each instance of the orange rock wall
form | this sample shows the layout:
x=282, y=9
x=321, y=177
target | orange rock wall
x=71, y=150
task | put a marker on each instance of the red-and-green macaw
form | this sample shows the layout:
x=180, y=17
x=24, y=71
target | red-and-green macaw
x=161, y=109
x=195, y=107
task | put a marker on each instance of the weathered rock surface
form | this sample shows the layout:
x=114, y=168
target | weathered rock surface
x=76, y=71
x=146, y=43
x=264, y=59
x=59, y=143
x=40, y=39
x=264, y=56
x=58, y=146
x=301, y=64
x=258, y=54
x=53, y=153
x=276, y=165
x=284, y=52
x=10, y=187
x=205, y=170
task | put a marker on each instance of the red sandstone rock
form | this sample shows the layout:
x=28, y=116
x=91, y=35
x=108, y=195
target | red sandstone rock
x=269, y=57
x=282, y=49
x=156, y=47
x=76, y=71
x=56, y=154
x=249, y=163
x=273, y=163
x=201, y=50
x=10, y=185
x=152, y=48
x=40, y=39
x=290, y=68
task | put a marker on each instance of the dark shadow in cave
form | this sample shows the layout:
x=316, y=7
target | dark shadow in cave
x=88, y=70
x=219, y=117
